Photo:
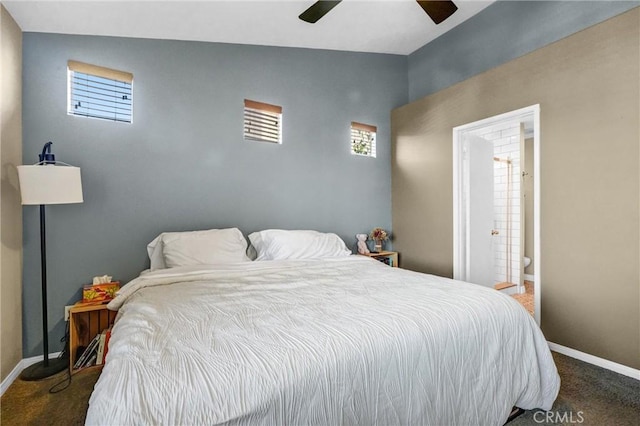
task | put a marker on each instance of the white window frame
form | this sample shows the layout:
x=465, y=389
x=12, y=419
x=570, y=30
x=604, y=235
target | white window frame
x=262, y=122
x=108, y=95
x=359, y=132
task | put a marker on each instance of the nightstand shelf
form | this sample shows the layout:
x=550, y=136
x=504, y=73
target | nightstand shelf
x=388, y=257
x=85, y=322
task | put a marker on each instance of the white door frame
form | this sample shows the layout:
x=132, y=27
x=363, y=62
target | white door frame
x=459, y=222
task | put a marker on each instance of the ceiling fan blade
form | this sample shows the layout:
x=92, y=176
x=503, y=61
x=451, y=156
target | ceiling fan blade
x=317, y=11
x=437, y=10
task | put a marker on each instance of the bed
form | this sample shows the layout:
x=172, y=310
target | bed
x=317, y=341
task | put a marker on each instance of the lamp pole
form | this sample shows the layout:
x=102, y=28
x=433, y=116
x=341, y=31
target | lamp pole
x=43, y=271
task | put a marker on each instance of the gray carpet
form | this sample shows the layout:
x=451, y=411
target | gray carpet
x=589, y=395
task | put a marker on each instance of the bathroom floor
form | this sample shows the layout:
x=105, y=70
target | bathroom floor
x=526, y=299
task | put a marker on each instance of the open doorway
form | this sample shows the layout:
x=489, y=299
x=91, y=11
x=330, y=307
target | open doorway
x=497, y=204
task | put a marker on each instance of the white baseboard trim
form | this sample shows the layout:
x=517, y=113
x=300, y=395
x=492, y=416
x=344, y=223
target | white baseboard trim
x=11, y=377
x=600, y=362
x=24, y=363
x=529, y=277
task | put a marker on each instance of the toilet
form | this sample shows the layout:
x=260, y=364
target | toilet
x=527, y=261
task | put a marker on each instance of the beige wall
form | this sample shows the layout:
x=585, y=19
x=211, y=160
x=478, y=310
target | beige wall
x=588, y=89
x=10, y=208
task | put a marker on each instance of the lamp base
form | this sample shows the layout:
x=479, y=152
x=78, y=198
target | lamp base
x=38, y=371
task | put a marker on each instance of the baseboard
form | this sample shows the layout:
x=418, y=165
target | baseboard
x=529, y=277
x=11, y=377
x=24, y=363
x=600, y=362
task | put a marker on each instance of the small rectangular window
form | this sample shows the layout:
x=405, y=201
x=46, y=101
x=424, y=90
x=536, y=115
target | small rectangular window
x=363, y=139
x=262, y=122
x=99, y=92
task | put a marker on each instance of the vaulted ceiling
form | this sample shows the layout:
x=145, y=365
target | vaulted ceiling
x=379, y=26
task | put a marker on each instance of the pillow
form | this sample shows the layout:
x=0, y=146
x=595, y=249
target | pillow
x=154, y=250
x=278, y=244
x=172, y=249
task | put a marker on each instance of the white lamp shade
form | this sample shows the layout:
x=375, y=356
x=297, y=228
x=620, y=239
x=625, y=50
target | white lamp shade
x=50, y=184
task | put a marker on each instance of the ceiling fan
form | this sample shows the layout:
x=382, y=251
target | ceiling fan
x=438, y=10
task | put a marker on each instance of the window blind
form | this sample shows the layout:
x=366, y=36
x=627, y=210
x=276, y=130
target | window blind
x=262, y=122
x=100, y=92
x=363, y=139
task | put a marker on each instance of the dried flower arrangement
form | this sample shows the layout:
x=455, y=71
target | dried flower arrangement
x=379, y=234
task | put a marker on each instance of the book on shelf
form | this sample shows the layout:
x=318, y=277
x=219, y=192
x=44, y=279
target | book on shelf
x=88, y=352
x=384, y=259
x=101, y=343
x=106, y=344
x=96, y=351
x=103, y=346
x=91, y=361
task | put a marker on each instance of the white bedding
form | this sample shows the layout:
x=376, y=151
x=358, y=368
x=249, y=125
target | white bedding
x=343, y=341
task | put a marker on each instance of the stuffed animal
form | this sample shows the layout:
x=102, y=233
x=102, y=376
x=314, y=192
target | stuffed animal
x=362, y=245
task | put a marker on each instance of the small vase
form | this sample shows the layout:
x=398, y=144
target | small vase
x=378, y=246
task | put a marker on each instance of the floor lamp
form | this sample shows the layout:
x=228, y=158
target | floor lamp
x=47, y=182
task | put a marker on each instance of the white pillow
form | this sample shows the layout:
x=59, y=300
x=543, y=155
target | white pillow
x=278, y=244
x=154, y=250
x=172, y=249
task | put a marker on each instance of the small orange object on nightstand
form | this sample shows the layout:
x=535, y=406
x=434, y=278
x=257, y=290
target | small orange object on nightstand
x=99, y=293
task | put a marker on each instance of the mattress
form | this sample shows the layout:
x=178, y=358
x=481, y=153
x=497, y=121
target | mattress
x=318, y=342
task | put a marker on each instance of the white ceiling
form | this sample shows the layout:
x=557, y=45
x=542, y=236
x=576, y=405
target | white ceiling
x=379, y=26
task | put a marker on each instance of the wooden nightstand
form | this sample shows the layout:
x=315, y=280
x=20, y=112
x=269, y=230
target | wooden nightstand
x=85, y=322
x=388, y=257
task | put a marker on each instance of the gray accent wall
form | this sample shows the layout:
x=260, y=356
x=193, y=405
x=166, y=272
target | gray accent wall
x=183, y=164
x=503, y=31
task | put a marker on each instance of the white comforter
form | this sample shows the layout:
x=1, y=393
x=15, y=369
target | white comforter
x=347, y=341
